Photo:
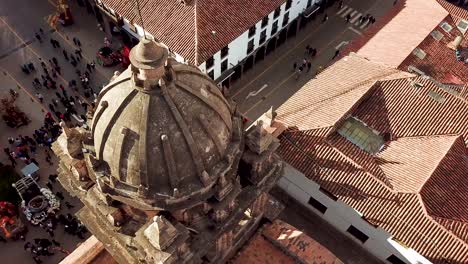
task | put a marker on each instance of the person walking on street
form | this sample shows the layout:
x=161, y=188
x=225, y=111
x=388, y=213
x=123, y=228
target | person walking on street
x=294, y=67
x=298, y=72
x=52, y=42
x=348, y=17
x=325, y=18
x=309, y=65
x=337, y=52
x=65, y=55
x=39, y=38
x=40, y=97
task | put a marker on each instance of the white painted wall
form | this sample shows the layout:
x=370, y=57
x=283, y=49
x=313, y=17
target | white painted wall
x=238, y=47
x=342, y=216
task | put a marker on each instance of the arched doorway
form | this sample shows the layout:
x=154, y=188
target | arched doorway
x=271, y=46
x=248, y=63
x=237, y=73
x=292, y=29
x=281, y=37
x=260, y=55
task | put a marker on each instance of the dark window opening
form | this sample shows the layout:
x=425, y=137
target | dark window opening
x=285, y=19
x=224, y=66
x=329, y=194
x=264, y=21
x=288, y=4
x=224, y=52
x=250, y=46
x=244, y=171
x=211, y=74
x=357, y=234
x=252, y=31
x=209, y=63
x=395, y=260
x=274, y=27
x=277, y=12
x=317, y=205
x=262, y=37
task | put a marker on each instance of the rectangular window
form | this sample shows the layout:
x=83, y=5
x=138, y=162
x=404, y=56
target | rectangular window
x=395, y=260
x=277, y=12
x=224, y=65
x=250, y=46
x=252, y=31
x=211, y=74
x=264, y=21
x=209, y=63
x=224, y=52
x=317, y=205
x=357, y=234
x=285, y=19
x=288, y=4
x=361, y=135
x=262, y=37
x=274, y=27
x=329, y=194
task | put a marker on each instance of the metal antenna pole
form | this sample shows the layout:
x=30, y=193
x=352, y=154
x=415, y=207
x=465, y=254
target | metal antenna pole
x=141, y=18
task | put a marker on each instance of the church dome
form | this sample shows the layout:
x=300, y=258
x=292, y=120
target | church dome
x=163, y=132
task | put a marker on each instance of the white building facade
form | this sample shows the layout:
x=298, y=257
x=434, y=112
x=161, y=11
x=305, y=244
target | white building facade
x=248, y=48
x=346, y=219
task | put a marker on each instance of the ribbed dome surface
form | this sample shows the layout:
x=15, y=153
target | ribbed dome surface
x=163, y=139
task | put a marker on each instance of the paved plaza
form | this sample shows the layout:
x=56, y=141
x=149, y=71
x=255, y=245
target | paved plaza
x=270, y=83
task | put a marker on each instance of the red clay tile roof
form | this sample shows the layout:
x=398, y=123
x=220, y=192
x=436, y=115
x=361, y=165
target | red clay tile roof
x=334, y=93
x=456, y=12
x=390, y=42
x=417, y=187
x=280, y=242
x=187, y=29
x=440, y=61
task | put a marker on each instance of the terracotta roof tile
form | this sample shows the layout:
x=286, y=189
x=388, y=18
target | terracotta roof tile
x=334, y=93
x=408, y=162
x=392, y=43
x=280, y=242
x=424, y=182
x=187, y=29
x=456, y=12
x=440, y=61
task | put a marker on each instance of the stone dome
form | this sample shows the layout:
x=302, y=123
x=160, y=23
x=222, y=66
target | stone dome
x=163, y=138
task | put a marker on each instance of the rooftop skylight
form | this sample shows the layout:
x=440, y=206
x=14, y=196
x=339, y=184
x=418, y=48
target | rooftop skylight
x=361, y=135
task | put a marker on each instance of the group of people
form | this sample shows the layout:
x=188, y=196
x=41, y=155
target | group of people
x=306, y=63
x=43, y=247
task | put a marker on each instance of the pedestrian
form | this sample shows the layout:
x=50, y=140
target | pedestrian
x=309, y=65
x=58, y=70
x=41, y=31
x=65, y=55
x=77, y=42
x=325, y=18
x=348, y=17
x=88, y=67
x=78, y=53
x=59, y=195
x=68, y=205
x=340, y=4
x=39, y=38
x=93, y=65
x=53, y=43
x=50, y=232
x=55, y=61
x=57, y=43
x=49, y=185
x=294, y=66
x=337, y=52
x=40, y=97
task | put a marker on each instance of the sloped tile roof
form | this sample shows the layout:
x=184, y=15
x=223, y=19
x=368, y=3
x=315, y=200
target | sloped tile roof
x=440, y=61
x=280, y=242
x=409, y=161
x=456, y=12
x=334, y=93
x=391, y=42
x=429, y=215
x=187, y=29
